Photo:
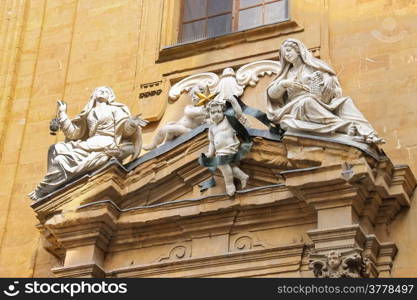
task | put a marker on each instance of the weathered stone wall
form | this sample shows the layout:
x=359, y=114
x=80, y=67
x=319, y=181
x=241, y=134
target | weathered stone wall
x=373, y=47
x=54, y=50
x=66, y=48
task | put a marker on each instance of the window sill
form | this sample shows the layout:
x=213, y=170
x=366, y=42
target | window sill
x=250, y=35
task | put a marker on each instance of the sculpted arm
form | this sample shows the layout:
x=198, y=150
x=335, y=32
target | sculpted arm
x=194, y=111
x=70, y=130
x=131, y=125
x=236, y=108
x=127, y=124
x=211, y=150
x=276, y=90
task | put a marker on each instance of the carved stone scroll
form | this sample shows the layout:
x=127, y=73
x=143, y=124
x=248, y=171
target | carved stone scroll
x=177, y=252
x=205, y=79
x=249, y=74
x=245, y=241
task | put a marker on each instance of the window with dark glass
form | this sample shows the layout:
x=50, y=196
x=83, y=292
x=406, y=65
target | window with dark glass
x=203, y=19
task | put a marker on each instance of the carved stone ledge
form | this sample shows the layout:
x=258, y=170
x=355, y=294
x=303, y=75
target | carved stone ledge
x=107, y=182
x=82, y=227
x=252, y=35
x=337, y=238
x=91, y=270
x=154, y=205
x=385, y=260
x=370, y=191
x=83, y=236
x=277, y=260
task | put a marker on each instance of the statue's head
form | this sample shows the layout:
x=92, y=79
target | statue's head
x=290, y=51
x=103, y=94
x=334, y=260
x=199, y=88
x=216, y=110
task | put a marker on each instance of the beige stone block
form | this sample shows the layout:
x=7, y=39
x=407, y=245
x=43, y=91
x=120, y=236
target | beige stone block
x=212, y=245
x=84, y=255
x=285, y=235
x=335, y=217
x=144, y=255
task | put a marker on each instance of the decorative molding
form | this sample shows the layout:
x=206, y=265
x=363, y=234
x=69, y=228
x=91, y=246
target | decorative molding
x=249, y=74
x=171, y=52
x=205, y=79
x=91, y=270
x=245, y=241
x=263, y=262
x=246, y=75
x=178, y=252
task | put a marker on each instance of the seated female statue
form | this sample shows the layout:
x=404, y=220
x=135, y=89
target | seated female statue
x=104, y=129
x=307, y=96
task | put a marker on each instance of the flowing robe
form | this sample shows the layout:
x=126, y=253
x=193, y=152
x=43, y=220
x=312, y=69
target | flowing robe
x=324, y=112
x=89, y=136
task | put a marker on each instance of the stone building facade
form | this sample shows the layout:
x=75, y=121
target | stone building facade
x=309, y=201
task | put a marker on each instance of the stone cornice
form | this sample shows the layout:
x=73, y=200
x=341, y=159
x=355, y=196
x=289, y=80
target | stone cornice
x=261, y=262
x=155, y=205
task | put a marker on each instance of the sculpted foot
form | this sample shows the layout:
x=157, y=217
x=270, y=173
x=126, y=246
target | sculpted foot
x=34, y=196
x=352, y=131
x=244, y=181
x=230, y=189
x=149, y=147
x=374, y=139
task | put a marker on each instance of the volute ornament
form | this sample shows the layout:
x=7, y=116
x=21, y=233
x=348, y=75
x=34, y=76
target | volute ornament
x=248, y=75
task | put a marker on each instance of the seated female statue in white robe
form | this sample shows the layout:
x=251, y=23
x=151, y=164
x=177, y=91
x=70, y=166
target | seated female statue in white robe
x=104, y=129
x=306, y=96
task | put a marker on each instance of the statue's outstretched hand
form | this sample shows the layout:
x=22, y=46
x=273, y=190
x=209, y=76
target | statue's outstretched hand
x=62, y=106
x=132, y=124
x=136, y=122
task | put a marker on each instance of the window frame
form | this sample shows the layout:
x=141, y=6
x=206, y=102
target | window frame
x=235, y=11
